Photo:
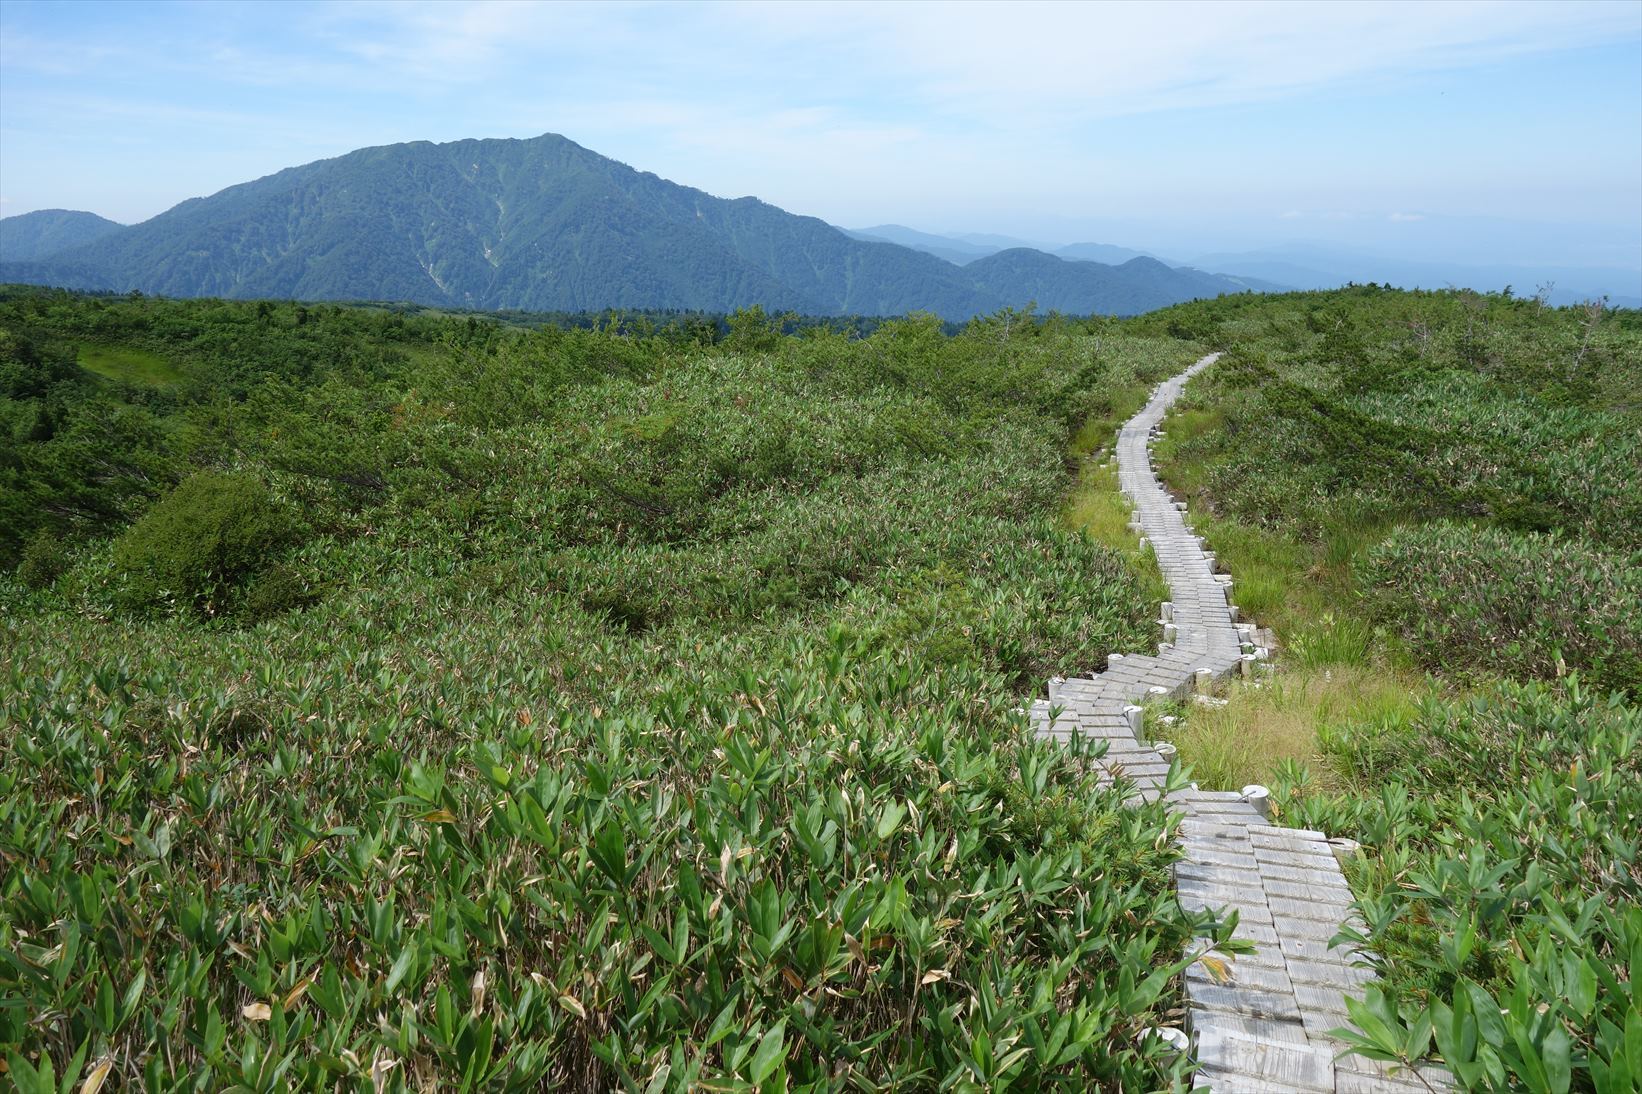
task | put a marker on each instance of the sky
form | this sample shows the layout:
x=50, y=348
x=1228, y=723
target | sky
x=1478, y=131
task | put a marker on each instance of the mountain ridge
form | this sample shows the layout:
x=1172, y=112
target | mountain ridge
x=544, y=224
x=30, y=237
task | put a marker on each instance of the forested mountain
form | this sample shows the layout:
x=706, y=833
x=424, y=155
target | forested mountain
x=46, y=232
x=547, y=225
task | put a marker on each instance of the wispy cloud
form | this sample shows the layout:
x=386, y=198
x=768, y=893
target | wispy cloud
x=888, y=110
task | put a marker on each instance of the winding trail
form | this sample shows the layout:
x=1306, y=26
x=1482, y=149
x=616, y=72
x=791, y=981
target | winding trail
x=1265, y=1028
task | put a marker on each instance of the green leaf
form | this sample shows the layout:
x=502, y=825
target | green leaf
x=133, y=994
x=1489, y=1022
x=29, y=1079
x=890, y=819
x=401, y=966
x=1558, y=1056
x=771, y=1052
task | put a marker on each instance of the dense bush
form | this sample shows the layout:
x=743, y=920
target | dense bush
x=1420, y=406
x=200, y=545
x=1482, y=601
x=855, y=871
x=1501, y=882
x=43, y=561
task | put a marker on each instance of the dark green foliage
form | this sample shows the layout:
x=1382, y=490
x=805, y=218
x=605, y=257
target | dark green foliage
x=1484, y=601
x=200, y=545
x=87, y=463
x=44, y=559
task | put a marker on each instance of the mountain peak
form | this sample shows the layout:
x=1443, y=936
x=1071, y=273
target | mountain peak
x=544, y=224
x=30, y=237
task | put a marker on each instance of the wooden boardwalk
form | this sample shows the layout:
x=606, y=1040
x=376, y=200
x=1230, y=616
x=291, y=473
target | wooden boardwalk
x=1265, y=1028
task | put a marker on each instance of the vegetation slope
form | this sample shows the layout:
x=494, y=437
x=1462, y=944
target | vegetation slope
x=1436, y=501
x=420, y=702
x=417, y=700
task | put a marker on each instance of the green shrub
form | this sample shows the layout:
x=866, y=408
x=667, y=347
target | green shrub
x=44, y=559
x=1484, y=600
x=278, y=589
x=1501, y=883
x=657, y=734
x=198, y=547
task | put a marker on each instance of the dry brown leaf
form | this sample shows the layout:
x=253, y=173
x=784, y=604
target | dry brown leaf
x=257, y=1012
x=1217, y=967
x=573, y=1005
x=97, y=1076
x=295, y=995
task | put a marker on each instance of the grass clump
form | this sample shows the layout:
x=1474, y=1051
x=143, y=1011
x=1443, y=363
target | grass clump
x=1284, y=720
x=1101, y=511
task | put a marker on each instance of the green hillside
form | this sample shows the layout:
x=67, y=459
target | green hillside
x=46, y=232
x=1022, y=276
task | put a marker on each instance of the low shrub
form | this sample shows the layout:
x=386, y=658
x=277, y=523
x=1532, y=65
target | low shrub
x=198, y=548
x=1501, y=883
x=44, y=560
x=1485, y=600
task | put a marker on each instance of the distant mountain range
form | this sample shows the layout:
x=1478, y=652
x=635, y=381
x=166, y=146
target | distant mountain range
x=547, y=225
x=1319, y=267
x=963, y=249
x=1314, y=266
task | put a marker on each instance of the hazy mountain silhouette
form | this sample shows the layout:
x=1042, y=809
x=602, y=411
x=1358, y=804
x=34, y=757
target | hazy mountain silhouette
x=545, y=224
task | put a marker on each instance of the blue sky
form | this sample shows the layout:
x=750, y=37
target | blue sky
x=1466, y=128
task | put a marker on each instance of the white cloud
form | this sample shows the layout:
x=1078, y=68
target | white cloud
x=882, y=110
x=1023, y=61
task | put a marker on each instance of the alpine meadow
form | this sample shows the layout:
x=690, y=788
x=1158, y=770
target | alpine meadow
x=434, y=701
x=706, y=547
